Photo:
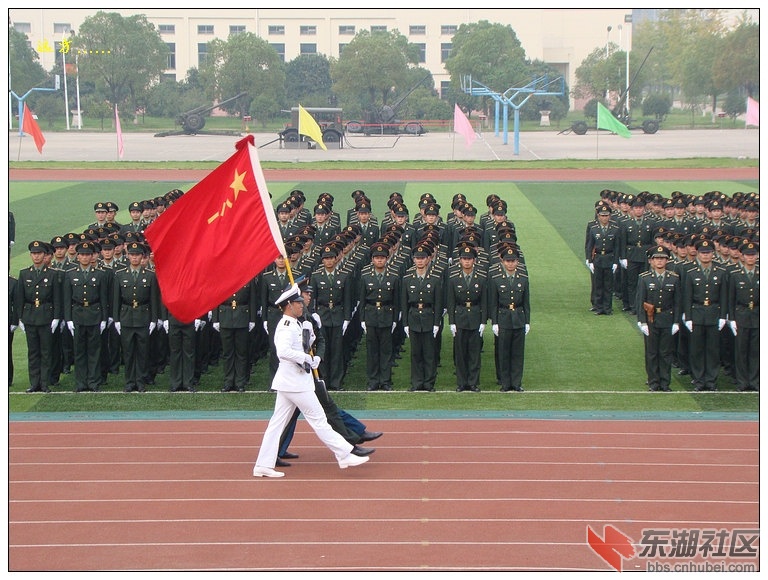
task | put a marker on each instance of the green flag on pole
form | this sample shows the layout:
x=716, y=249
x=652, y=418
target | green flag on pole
x=605, y=120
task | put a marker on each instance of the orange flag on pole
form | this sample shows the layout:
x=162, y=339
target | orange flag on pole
x=227, y=216
x=31, y=128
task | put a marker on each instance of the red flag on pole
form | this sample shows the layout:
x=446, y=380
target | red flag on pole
x=120, y=149
x=31, y=128
x=462, y=126
x=753, y=112
x=216, y=237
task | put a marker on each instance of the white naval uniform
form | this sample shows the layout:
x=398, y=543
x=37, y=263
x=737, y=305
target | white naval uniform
x=295, y=389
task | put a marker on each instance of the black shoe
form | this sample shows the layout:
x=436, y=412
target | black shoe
x=362, y=451
x=507, y=389
x=372, y=389
x=459, y=389
x=227, y=389
x=626, y=309
x=683, y=372
x=240, y=389
x=140, y=388
x=666, y=389
x=474, y=389
x=289, y=455
x=33, y=390
x=281, y=463
x=370, y=435
x=386, y=387
x=411, y=389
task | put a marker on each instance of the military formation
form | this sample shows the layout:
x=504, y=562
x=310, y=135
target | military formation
x=687, y=268
x=89, y=303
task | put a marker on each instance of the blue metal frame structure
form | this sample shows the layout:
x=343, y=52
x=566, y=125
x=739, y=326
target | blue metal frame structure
x=540, y=86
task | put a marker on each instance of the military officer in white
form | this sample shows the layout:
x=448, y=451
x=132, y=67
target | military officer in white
x=295, y=388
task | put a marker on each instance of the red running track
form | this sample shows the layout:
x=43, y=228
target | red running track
x=485, y=494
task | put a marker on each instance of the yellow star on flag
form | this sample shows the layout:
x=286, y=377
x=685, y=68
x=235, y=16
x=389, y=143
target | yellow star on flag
x=237, y=185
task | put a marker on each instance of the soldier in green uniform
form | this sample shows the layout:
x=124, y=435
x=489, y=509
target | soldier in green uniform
x=38, y=304
x=233, y=320
x=422, y=304
x=86, y=302
x=272, y=284
x=509, y=308
x=705, y=305
x=379, y=304
x=744, y=318
x=135, y=310
x=467, y=305
x=659, y=307
x=602, y=253
x=635, y=240
x=334, y=294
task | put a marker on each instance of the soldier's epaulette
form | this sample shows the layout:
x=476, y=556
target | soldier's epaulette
x=673, y=273
x=287, y=323
x=367, y=269
x=646, y=273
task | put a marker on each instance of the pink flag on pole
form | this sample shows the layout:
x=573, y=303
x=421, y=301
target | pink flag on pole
x=753, y=112
x=120, y=149
x=462, y=126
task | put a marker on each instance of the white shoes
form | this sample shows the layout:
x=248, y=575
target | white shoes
x=351, y=460
x=266, y=472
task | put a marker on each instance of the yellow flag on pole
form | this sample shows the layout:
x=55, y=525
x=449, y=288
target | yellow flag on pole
x=309, y=127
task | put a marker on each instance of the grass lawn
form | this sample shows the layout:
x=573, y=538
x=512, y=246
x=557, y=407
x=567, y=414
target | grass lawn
x=574, y=360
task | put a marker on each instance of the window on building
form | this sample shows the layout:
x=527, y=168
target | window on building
x=205, y=28
x=380, y=28
x=422, y=51
x=417, y=30
x=445, y=90
x=23, y=27
x=445, y=51
x=279, y=48
x=308, y=30
x=448, y=29
x=171, y=64
x=168, y=78
x=202, y=53
x=341, y=47
x=61, y=27
x=276, y=29
x=236, y=29
x=307, y=48
x=166, y=28
x=347, y=29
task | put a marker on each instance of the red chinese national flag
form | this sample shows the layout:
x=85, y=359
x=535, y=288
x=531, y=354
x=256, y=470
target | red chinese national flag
x=30, y=127
x=216, y=237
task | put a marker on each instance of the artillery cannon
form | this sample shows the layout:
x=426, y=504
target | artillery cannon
x=193, y=121
x=384, y=121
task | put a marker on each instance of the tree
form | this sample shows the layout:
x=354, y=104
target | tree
x=24, y=70
x=658, y=105
x=737, y=65
x=122, y=56
x=372, y=70
x=735, y=105
x=244, y=63
x=308, y=81
x=492, y=54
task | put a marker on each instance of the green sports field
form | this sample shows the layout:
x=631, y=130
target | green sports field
x=574, y=360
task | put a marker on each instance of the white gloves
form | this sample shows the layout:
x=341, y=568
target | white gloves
x=591, y=267
x=721, y=323
x=689, y=325
x=643, y=328
x=71, y=327
x=344, y=326
x=21, y=325
x=453, y=330
x=251, y=326
x=434, y=331
x=623, y=263
x=481, y=330
x=266, y=325
x=198, y=324
x=527, y=328
x=152, y=326
x=102, y=326
x=675, y=328
x=217, y=326
x=613, y=268
x=405, y=329
x=495, y=329
x=117, y=327
x=317, y=319
x=315, y=362
x=732, y=324
x=365, y=330
x=13, y=327
x=394, y=325
x=54, y=325
x=167, y=325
